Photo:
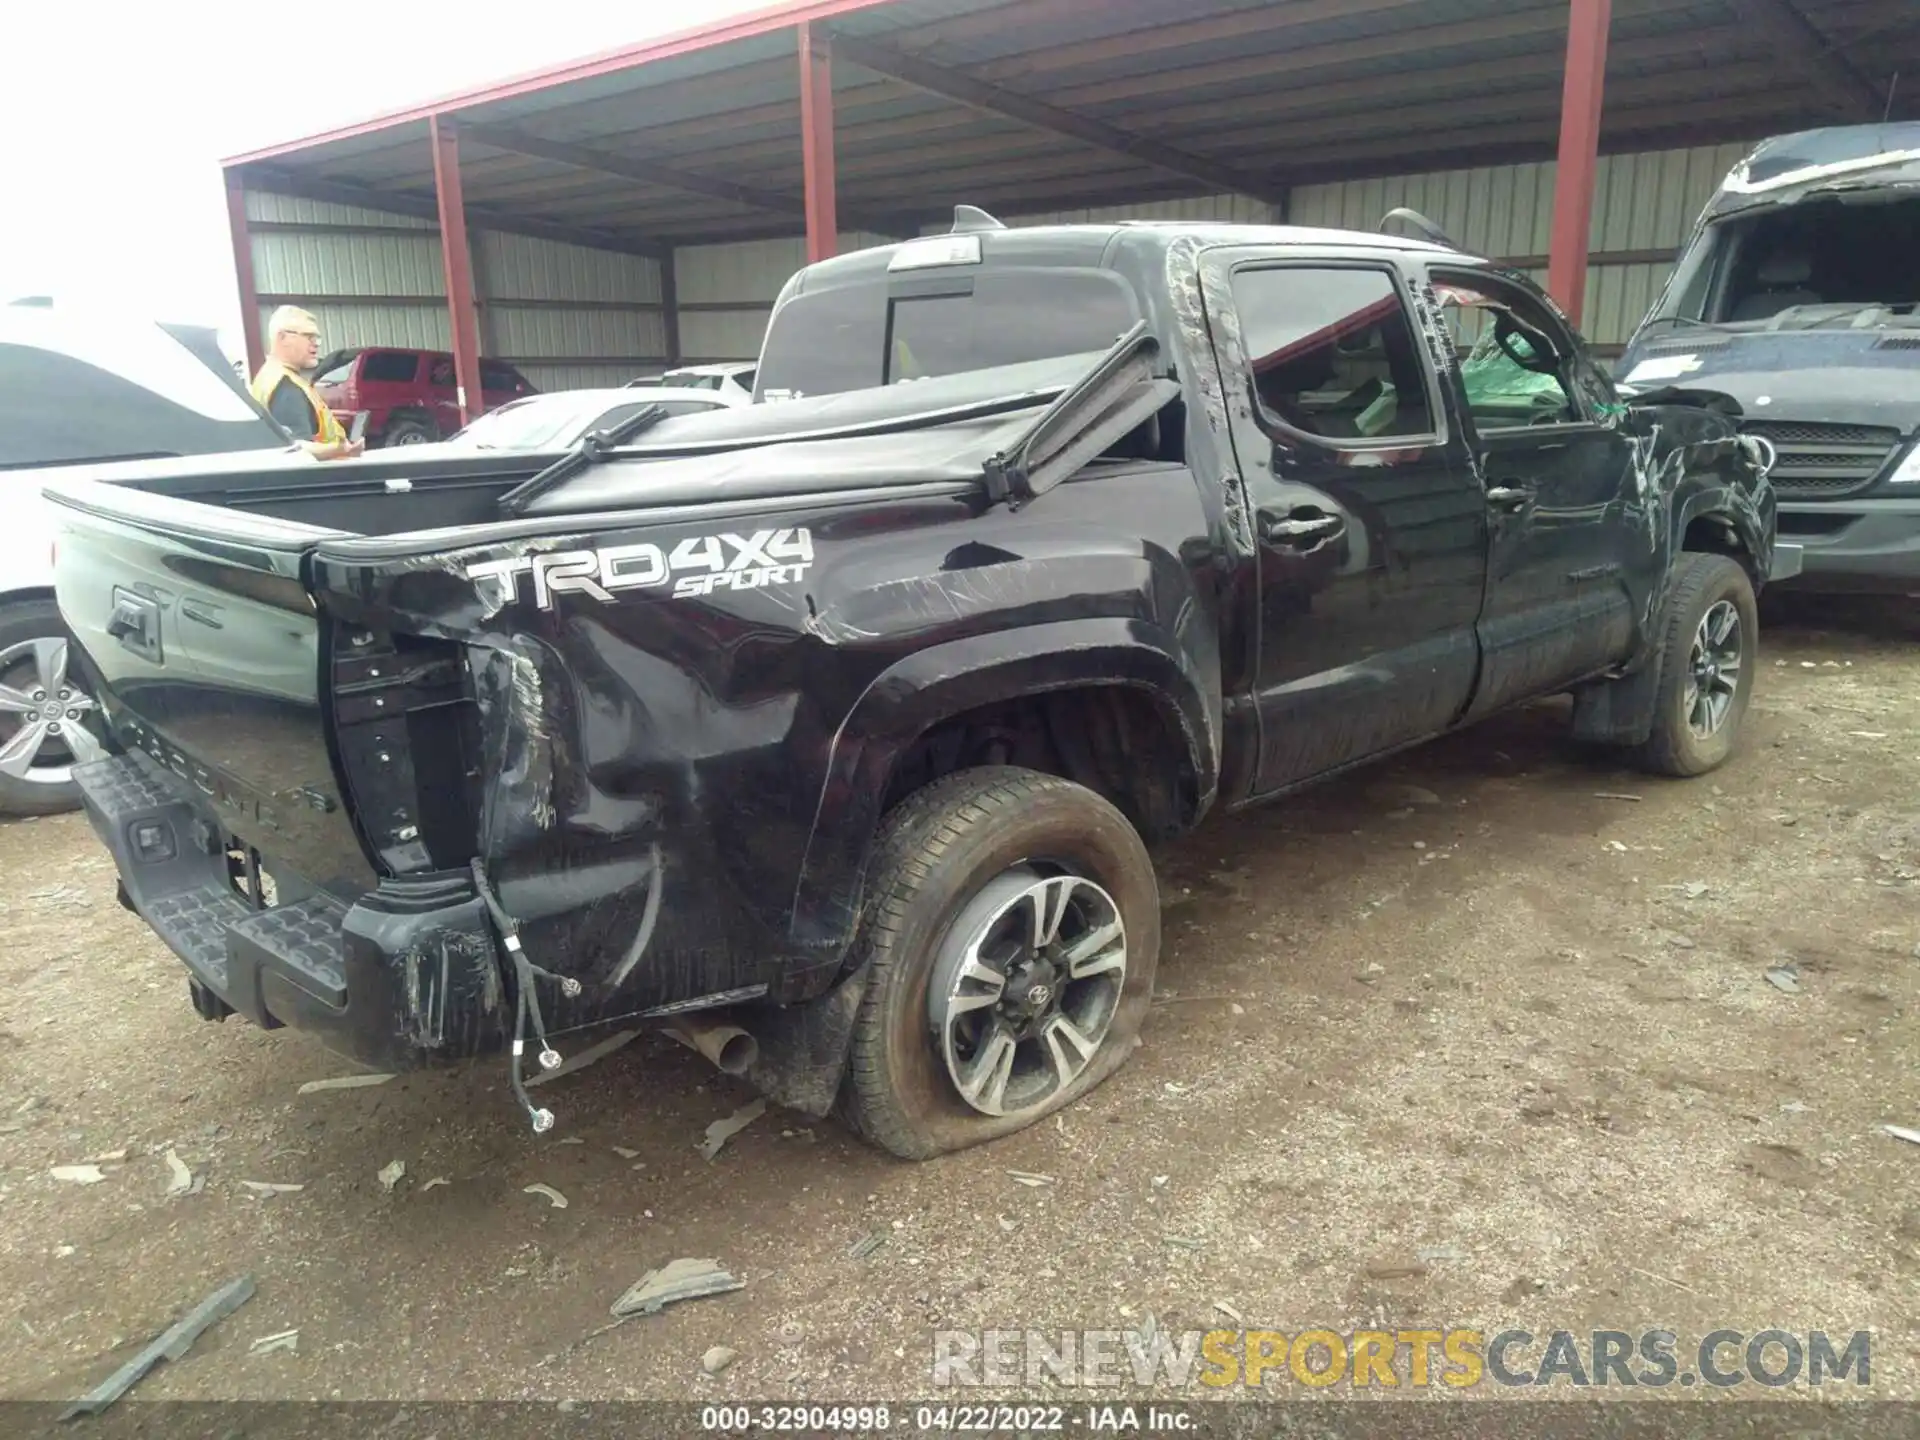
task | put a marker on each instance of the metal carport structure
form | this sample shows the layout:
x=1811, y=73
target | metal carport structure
x=879, y=115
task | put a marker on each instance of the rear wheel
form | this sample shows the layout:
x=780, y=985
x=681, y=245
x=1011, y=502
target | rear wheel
x=44, y=714
x=408, y=431
x=1013, y=931
x=1706, y=665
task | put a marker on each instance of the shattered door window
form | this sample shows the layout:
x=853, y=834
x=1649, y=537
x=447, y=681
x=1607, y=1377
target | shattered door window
x=1499, y=345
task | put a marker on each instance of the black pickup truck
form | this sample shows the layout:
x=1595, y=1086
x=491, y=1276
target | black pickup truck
x=832, y=732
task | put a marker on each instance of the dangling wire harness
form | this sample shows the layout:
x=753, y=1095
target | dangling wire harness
x=527, y=1004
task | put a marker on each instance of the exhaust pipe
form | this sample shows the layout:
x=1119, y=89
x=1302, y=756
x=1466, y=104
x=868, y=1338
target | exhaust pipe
x=729, y=1047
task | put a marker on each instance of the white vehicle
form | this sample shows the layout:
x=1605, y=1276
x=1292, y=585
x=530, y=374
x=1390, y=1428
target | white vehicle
x=733, y=379
x=79, y=390
x=556, y=419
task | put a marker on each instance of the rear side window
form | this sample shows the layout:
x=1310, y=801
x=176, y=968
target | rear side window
x=857, y=336
x=495, y=375
x=391, y=367
x=1332, y=352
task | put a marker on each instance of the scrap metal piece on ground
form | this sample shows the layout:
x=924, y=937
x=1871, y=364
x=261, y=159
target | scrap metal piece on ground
x=343, y=1082
x=78, y=1174
x=589, y=1056
x=180, y=1177
x=267, y=1344
x=721, y=1131
x=172, y=1344
x=684, y=1279
x=391, y=1175
x=867, y=1244
x=272, y=1187
x=554, y=1197
x=1900, y=1132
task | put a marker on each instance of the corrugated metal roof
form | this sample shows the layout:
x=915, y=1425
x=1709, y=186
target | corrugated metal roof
x=1280, y=91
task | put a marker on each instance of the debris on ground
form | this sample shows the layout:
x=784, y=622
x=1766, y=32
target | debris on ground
x=1441, y=1252
x=553, y=1196
x=109, y=1157
x=1028, y=1178
x=179, y=1175
x=171, y=1344
x=721, y=1131
x=1900, y=1132
x=866, y=1244
x=592, y=1055
x=1612, y=795
x=718, y=1359
x=1398, y=795
x=78, y=1174
x=436, y=1180
x=391, y=1175
x=1159, y=1181
x=684, y=1279
x=272, y=1187
x=1185, y=1242
x=1396, y=1267
x=1682, y=942
x=626, y=1154
x=1785, y=978
x=1232, y=1314
x=267, y=1344
x=342, y=1082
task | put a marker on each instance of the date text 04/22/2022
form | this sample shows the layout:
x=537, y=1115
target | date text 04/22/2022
x=946, y=1419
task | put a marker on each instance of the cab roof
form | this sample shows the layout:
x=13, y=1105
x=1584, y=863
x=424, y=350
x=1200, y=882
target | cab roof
x=1096, y=245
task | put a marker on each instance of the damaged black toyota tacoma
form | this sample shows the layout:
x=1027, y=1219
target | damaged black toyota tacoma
x=833, y=731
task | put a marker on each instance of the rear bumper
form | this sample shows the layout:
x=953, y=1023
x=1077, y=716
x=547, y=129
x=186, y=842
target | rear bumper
x=1855, y=545
x=405, y=976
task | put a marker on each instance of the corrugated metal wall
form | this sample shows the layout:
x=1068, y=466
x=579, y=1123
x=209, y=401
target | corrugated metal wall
x=566, y=315
x=726, y=292
x=575, y=317
x=1644, y=206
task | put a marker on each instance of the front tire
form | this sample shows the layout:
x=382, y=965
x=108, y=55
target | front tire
x=44, y=713
x=408, y=431
x=1706, y=662
x=1012, y=932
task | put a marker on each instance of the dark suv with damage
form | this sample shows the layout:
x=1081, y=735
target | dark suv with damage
x=1798, y=301
x=834, y=732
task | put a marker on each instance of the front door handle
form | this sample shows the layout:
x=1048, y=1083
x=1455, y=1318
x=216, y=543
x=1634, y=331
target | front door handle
x=1303, y=528
x=1509, y=497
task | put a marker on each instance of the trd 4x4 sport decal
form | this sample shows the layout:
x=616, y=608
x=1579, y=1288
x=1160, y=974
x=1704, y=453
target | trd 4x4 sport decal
x=698, y=565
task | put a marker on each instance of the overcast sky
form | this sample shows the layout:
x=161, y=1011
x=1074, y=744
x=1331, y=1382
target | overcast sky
x=117, y=122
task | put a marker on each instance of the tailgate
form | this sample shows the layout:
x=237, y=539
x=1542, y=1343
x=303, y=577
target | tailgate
x=205, y=650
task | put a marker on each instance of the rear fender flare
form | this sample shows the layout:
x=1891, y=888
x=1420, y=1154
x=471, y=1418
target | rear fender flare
x=947, y=680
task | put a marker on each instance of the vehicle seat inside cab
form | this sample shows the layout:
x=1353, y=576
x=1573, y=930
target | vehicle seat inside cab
x=1782, y=280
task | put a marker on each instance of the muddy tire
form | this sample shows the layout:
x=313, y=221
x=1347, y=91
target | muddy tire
x=42, y=734
x=1706, y=668
x=408, y=430
x=1012, y=930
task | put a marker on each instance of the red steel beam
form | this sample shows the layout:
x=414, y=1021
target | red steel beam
x=767, y=21
x=1587, y=25
x=243, y=274
x=816, y=142
x=458, y=263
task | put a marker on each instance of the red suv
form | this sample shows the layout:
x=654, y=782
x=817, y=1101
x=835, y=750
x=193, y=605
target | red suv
x=408, y=395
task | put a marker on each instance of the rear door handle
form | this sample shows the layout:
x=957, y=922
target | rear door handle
x=1509, y=497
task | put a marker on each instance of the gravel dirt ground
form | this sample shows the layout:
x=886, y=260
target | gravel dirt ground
x=1503, y=1017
